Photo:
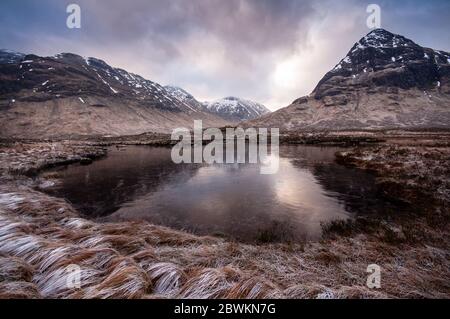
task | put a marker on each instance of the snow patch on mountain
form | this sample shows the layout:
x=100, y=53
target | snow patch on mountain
x=229, y=108
x=236, y=108
x=178, y=93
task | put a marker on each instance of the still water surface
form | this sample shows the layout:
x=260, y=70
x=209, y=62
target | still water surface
x=232, y=200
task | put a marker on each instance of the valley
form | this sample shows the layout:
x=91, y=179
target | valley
x=86, y=178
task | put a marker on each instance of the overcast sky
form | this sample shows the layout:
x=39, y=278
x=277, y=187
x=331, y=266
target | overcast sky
x=269, y=51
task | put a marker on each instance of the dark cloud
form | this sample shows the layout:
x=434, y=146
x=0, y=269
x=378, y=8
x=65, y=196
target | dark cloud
x=256, y=24
x=242, y=27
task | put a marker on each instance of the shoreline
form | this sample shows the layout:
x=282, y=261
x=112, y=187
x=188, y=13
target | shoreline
x=40, y=235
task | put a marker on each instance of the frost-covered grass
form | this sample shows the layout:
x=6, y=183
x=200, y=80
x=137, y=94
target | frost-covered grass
x=40, y=236
x=29, y=158
x=408, y=171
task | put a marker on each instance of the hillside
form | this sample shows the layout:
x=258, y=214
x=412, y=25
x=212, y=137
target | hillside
x=67, y=95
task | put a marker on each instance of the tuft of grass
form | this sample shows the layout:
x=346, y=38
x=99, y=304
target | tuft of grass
x=254, y=288
x=19, y=290
x=166, y=277
x=15, y=269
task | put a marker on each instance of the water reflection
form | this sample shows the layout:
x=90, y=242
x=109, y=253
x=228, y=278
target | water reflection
x=232, y=200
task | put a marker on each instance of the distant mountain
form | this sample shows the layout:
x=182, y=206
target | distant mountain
x=236, y=109
x=385, y=81
x=230, y=108
x=67, y=95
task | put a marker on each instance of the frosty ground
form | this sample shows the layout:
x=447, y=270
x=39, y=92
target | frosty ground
x=41, y=235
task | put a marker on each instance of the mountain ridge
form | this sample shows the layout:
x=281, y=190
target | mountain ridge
x=69, y=95
x=233, y=109
x=385, y=81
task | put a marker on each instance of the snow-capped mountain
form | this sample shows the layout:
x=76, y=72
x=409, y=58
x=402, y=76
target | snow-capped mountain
x=385, y=81
x=71, y=95
x=236, y=109
x=230, y=108
x=405, y=64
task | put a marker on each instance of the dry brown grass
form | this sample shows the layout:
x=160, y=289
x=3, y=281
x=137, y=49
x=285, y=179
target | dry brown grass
x=19, y=290
x=40, y=236
x=31, y=157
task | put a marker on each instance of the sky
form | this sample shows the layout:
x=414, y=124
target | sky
x=269, y=51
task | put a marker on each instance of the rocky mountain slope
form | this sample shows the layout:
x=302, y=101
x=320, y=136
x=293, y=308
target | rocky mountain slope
x=232, y=109
x=236, y=109
x=184, y=97
x=385, y=81
x=68, y=95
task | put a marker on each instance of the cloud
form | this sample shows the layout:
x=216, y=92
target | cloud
x=266, y=50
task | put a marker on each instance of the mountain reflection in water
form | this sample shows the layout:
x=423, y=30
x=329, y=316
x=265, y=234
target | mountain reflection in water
x=232, y=200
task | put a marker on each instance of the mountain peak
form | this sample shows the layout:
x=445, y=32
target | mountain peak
x=382, y=58
x=381, y=38
x=236, y=109
x=379, y=32
x=231, y=98
x=385, y=81
x=229, y=108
